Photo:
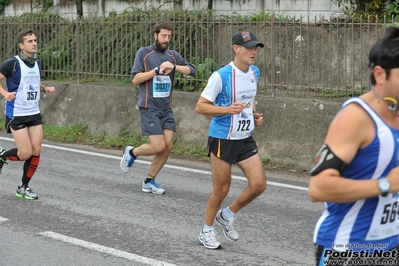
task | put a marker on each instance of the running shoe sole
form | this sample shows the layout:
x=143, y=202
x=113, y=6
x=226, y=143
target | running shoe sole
x=25, y=197
x=151, y=191
x=208, y=247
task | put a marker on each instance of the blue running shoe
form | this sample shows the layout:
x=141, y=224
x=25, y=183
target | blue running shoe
x=127, y=160
x=152, y=187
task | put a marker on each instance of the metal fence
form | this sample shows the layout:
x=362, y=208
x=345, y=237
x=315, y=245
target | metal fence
x=325, y=59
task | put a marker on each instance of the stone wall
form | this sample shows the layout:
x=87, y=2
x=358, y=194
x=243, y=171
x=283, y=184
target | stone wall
x=292, y=133
x=314, y=9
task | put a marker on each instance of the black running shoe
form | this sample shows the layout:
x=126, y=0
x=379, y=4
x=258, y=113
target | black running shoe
x=2, y=161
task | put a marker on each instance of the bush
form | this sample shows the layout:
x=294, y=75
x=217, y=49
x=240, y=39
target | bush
x=364, y=9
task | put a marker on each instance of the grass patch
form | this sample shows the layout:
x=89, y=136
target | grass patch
x=191, y=153
x=273, y=166
x=73, y=134
x=79, y=134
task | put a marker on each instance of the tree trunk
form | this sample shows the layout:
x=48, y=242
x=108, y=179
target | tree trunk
x=79, y=7
x=210, y=2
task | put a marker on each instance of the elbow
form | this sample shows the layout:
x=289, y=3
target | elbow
x=191, y=69
x=314, y=194
x=313, y=198
x=200, y=109
x=197, y=110
x=134, y=81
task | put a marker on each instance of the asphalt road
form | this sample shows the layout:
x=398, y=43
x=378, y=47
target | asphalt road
x=90, y=213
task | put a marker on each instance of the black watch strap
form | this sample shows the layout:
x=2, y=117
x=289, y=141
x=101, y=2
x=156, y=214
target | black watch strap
x=156, y=70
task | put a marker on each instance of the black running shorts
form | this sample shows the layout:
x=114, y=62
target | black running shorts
x=20, y=122
x=232, y=151
x=154, y=121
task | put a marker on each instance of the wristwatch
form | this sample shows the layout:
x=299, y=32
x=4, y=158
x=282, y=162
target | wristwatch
x=384, y=186
x=156, y=70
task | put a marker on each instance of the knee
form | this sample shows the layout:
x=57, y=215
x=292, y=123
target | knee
x=159, y=148
x=24, y=155
x=36, y=151
x=168, y=148
x=221, y=192
x=258, y=187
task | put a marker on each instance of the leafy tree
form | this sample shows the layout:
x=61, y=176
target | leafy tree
x=366, y=9
x=3, y=3
x=392, y=10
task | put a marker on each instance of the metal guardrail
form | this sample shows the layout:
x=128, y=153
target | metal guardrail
x=326, y=59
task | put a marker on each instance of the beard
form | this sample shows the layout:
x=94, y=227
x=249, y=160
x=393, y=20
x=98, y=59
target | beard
x=161, y=47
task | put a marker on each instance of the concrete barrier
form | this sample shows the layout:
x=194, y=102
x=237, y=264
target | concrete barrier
x=294, y=128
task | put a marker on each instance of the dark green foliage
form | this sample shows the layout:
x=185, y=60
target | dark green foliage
x=369, y=10
x=104, y=47
x=204, y=69
x=104, y=38
x=392, y=10
x=3, y=3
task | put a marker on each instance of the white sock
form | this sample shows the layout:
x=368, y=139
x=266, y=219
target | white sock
x=227, y=214
x=207, y=228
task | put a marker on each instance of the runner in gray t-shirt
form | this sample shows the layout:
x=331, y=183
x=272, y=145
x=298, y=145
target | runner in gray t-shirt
x=154, y=71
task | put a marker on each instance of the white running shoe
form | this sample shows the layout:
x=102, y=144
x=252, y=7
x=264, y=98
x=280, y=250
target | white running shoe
x=152, y=187
x=208, y=240
x=227, y=225
x=127, y=160
x=26, y=193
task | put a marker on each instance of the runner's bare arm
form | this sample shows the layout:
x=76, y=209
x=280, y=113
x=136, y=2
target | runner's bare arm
x=346, y=135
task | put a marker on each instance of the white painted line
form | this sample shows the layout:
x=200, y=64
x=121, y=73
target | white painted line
x=7, y=139
x=2, y=219
x=276, y=184
x=166, y=165
x=103, y=249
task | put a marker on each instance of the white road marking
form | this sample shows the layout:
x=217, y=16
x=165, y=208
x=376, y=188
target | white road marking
x=166, y=165
x=119, y=253
x=103, y=249
x=276, y=184
x=2, y=219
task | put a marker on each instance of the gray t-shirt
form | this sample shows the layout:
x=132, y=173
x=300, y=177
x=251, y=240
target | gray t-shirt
x=156, y=92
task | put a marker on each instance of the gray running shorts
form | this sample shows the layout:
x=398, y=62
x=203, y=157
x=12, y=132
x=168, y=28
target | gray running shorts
x=154, y=121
